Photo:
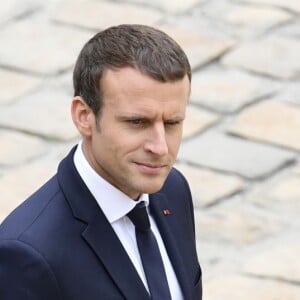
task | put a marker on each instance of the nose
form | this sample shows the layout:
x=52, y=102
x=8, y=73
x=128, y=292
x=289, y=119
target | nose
x=156, y=142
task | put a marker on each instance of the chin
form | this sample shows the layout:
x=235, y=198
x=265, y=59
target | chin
x=150, y=185
x=153, y=189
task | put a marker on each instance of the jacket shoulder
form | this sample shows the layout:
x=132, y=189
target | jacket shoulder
x=176, y=183
x=20, y=282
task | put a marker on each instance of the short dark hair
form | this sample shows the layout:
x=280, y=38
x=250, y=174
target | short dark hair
x=144, y=48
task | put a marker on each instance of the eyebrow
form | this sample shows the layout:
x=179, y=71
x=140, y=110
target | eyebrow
x=144, y=117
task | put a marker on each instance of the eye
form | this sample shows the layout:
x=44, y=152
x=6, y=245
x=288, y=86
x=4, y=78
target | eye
x=172, y=123
x=136, y=121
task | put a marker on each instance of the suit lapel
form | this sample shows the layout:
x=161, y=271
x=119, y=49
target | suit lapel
x=105, y=243
x=159, y=203
x=99, y=234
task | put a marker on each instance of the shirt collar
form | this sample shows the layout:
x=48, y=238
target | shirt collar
x=113, y=202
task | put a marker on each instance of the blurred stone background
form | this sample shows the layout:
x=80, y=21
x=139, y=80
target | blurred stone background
x=242, y=134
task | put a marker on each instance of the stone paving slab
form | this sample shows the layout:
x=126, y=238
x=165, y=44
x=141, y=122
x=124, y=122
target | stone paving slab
x=222, y=152
x=270, y=121
x=280, y=262
x=234, y=225
x=63, y=82
x=290, y=92
x=293, y=5
x=13, y=85
x=207, y=186
x=247, y=21
x=228, y=90
x=27, y=49
x=197, y=120
x=240, y=20
x=276, y=56
x=10, y=9
x=45, y=113
x=10, y=152
x=199, y=45
x=281, y=195
x=172, y=6
x=297, y=170
x=290, y=29
x=99, y=15
x=234, y=287
x=253, y=20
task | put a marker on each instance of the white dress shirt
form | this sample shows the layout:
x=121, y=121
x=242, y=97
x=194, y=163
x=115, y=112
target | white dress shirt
x=115, y=206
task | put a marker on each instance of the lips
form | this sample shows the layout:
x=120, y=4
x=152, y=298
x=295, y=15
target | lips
x=150, y=168
x=151, y=165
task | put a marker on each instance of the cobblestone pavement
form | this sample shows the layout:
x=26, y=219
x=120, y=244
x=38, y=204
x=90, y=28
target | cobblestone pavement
x=242, y=134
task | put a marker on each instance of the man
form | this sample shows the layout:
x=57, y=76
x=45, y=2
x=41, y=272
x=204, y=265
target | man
x=75, y=238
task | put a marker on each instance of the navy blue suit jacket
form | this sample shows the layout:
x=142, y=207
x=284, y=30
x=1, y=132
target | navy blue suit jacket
x=59, y=245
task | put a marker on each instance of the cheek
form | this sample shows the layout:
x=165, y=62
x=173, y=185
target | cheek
x=102, y=146
x=116, y=147
x=174, y=144
x=128, y=143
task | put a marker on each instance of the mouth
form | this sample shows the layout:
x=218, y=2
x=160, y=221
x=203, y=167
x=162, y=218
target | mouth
x=149, y=168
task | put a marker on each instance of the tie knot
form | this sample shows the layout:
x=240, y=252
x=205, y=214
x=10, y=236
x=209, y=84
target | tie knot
x=139, y=217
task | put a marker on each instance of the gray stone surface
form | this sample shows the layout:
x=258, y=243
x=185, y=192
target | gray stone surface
x=276, y=57
x=279, y=262
x=244, y=55
x=270, y=121
x=10, y=152
x=201, y=46
x=244, y=20
x=297, y=170
x=14, y=84
x=208, y=186
x=197, y=120
x=234, y=225
x=10, y=9
x=233, y=287
x=251, y=20
x=280, y=195
x=293, y=5
x=228, y=90
x=222, y=152
x=98, y=15
x=290, y=92
x=44, y=113
x=172, y=6
x=40, y=47
x=291, y=29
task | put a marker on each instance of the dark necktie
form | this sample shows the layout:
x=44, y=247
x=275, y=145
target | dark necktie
x=150, y=254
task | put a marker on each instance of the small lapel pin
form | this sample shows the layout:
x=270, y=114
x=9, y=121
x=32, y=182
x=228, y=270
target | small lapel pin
x=166, y=212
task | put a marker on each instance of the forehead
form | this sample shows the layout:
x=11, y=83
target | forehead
x=133, y=87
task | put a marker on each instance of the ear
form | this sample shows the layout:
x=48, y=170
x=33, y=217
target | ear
x=83, y=116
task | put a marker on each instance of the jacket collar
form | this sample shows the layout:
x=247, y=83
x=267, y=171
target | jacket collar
x=98, y=233
x=159, y=205
x=102, y=239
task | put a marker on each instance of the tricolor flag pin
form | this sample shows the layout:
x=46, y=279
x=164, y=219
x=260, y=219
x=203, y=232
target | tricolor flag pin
x=167, y=212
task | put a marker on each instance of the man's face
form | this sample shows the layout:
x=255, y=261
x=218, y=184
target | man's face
x=137, y=138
